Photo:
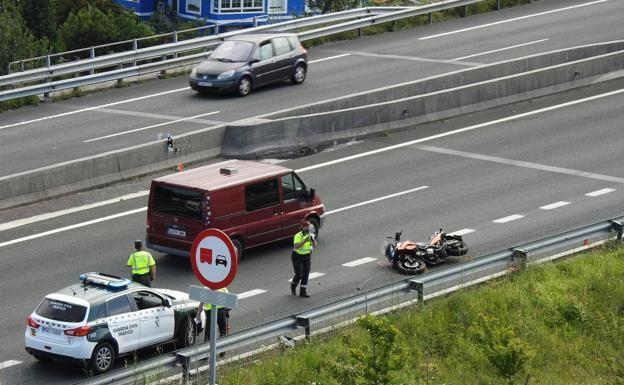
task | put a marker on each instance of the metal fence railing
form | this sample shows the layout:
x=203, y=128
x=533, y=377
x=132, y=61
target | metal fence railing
x=135, y=61
x=403, y=293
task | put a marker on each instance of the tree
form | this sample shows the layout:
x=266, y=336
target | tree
x=16, y=41
x=327, y=6
x=64, y=8
x=91, y=26
x=39, y=17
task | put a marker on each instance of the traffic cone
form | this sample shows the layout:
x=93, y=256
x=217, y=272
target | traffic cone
x=180, y=167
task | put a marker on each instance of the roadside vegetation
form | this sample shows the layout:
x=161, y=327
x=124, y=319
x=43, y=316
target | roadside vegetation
x=559, y=323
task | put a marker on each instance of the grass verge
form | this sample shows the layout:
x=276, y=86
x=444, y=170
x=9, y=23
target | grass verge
x=559, y=323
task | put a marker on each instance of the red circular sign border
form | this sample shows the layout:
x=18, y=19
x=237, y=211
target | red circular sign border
x=234, y=260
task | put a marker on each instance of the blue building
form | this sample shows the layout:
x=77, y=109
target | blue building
x=227, y=13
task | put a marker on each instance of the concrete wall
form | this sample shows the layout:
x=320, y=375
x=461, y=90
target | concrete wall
x=301, y=130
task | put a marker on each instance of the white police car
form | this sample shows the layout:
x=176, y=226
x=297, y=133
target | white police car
x=104, y=317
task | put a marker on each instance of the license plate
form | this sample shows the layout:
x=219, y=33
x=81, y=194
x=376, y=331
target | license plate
x=204, y=84
x=56, y=332
x=176, y=232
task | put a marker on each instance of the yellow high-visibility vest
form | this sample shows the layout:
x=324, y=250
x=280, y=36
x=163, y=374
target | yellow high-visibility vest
x=141, y=261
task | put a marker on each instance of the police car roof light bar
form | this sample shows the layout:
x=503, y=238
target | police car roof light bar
x=110, y=281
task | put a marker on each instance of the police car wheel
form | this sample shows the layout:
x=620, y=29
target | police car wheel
x=103, y=357
x=186, y=335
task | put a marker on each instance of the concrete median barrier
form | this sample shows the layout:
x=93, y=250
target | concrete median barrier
x=306, y=129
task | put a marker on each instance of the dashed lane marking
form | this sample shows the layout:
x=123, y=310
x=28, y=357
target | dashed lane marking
x=312, y=276
x=251, y=293
x=600, y=192
x=462, y=232
x=375, y=200
x=358, y=262
x=555, y=205
x=508, y=219
x=499, y=50
x=9, y=363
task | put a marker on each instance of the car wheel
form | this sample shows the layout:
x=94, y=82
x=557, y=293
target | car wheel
x=243, y=87
x=299, y=74
x=186, y=335
x=103, y=357
x=238, y=247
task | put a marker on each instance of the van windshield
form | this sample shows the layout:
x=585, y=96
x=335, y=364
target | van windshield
x=177, y=201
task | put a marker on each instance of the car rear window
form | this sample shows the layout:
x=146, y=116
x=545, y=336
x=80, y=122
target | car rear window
x=177, y=201
x=61, y=311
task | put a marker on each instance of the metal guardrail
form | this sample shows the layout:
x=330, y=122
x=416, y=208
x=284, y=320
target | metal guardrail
x=111, y=67
x=424, y=286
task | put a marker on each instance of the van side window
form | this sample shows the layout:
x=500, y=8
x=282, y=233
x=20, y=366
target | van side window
x=261, y=194
x=292, y=186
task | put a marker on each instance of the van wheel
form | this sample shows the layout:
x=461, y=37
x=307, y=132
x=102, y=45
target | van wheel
x=102, y=358
x=315, y=224
x=238, y=246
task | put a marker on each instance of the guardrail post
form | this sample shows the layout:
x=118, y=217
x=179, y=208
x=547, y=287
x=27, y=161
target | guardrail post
x=175, y=40
x=464, y=11
x=92, y=55
x=419, y=287
x=135, y=47
x=304, y=322
x=619, y=227
x=48, y=79
x=430, y=17
x=498, y=5
x=519, y=259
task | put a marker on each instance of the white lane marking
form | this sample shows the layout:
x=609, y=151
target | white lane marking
x=375, y=200
x=460, y=130
x=250, y=293
x=9, y=363
x=329, y=58
x=43, y=217
x=512, y=20
x=555, y=205
x=521, y=163
x=94, y=108
x=358, y=262
x=71, y=227
x=462, y=232
x=148, y=127
x=499, y=50
x=600, y=192
x=508, y=219
x=312, y=276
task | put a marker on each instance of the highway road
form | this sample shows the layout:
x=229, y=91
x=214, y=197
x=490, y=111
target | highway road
x=502, y=177
x=118, y=118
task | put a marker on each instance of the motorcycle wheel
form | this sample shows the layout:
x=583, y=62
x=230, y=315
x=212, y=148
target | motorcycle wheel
x=410, y=266
x=456, y=248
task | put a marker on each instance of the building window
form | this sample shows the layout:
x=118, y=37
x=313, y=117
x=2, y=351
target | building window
x=277, y=6
x=239, y=6
x=193, y=6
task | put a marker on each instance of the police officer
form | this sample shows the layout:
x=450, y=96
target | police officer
x=222, y=316
x=303, y=244
x=142, y=264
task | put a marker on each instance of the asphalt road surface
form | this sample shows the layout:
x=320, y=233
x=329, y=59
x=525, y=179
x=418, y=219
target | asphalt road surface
x=502, y=177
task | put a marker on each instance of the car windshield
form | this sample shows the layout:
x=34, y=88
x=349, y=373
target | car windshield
x=61, y=311
x=233, y=51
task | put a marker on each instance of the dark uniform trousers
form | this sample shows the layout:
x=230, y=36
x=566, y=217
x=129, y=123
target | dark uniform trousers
x=221, y=322
x=301, y=266
x=143, y=279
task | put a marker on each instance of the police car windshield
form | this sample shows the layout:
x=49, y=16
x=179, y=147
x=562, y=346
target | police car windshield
x=61, y=311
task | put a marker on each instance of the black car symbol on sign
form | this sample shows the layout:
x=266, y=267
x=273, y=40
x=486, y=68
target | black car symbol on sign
x=221, y=260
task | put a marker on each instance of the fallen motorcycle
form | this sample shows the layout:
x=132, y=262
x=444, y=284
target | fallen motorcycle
x=413, y=257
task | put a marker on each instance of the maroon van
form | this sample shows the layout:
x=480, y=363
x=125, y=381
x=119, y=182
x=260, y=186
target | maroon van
x=252, y=202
